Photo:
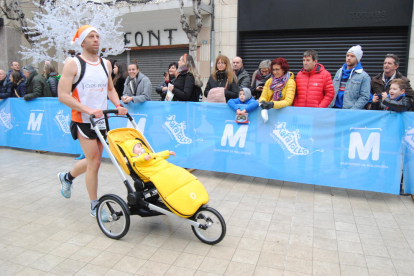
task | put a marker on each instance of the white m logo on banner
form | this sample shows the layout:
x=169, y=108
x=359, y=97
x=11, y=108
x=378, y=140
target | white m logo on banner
x=35, y=123
x=141, y=124
x=233, y=138
x=372, y=145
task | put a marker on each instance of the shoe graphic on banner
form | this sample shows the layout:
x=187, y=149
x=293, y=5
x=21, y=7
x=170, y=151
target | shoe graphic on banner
x=5, y=119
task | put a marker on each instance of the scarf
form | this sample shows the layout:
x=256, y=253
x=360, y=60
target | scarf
x=277, y=86
x=183, y=69
x=346, y=73
x=259, y=78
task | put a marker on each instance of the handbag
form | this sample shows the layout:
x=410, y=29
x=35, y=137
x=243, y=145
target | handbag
x=217, y=95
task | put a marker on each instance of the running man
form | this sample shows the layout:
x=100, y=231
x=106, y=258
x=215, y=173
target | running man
x=89, y=97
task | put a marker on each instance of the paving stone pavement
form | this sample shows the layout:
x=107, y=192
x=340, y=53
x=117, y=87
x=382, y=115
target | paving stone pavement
x=273, y=228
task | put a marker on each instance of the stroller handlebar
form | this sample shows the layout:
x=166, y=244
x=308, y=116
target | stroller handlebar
x=108, y=111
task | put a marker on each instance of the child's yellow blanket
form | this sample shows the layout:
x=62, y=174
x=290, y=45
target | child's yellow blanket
x=180, y=190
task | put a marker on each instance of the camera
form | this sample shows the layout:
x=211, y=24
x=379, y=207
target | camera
x=166, y=74
x=379, y=95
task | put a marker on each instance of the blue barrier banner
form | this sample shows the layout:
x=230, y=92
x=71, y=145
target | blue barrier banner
x=408, y=151
x=330, y=147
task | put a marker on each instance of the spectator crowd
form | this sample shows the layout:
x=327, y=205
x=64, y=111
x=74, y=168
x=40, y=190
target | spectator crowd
x=272, y=85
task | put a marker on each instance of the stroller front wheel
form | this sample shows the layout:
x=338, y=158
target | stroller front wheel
x=112, y=215
x=212, y=225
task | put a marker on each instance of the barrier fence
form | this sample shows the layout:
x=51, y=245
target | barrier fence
x=354, y=149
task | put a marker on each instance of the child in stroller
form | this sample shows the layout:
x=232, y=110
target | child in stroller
x=181, y=193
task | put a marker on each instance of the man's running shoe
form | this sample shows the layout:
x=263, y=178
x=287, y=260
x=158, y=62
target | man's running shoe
x=66, y=188
x=104, y=215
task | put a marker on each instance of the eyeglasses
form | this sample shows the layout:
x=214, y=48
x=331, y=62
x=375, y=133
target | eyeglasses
x=220, y=63
x=276, y=69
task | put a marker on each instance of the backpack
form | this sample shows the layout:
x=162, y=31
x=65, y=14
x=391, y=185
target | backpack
x=82, y=72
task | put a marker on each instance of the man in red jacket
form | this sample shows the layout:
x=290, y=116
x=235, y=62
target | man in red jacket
x=314, y=86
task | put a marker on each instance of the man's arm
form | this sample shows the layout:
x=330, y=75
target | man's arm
x=37, y=90
x=329, y=91
x=146, y=96
x=65, y=86
x=364, y=92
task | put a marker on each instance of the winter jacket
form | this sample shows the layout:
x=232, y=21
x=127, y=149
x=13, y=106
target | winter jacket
x=159, y=88
x=378, y=85
x=232, y=90
x=36, y=87
x=20, y=88
x=249, y=105
x=401, y=104
x=288, y=93
x=119, y=86
x=255, y=84
x=142, y=91
x=5, y=89
x=243, y=78
x=53, y=82
x=7, y=79
x=356, y=94
x=314, y=88
x=185, y=88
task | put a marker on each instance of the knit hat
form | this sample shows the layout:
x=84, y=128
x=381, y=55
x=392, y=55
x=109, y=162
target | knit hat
x=265, y=64
x=82, y=33
x=357, y=51
x=247, y=93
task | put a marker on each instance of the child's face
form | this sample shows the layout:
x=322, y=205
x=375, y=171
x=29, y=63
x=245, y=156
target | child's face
x=137, y=149
x=242, y=97
x=395, y=91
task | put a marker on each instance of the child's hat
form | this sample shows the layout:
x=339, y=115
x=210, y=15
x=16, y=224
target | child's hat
x=247, y=93
x=82, y=33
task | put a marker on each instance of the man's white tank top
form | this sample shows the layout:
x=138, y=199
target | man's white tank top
x=92, y=90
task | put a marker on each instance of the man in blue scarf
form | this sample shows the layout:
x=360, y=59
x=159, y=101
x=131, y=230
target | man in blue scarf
x=351, y=83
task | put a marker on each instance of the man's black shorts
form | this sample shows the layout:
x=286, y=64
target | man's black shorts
x=84, y=129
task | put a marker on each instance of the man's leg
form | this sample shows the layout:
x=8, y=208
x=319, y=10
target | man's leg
x=92, y=148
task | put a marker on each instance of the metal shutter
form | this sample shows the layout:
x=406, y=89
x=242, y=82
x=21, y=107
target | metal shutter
x=153, y=63
x=331, y=45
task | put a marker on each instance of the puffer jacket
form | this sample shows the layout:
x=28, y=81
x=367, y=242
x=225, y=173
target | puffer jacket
x=378, y=85
x=232, y=90
x=6, y=89
x=288, y=93
x=36, y=87
x=185, y=88
x=143, y=90
x=356, y=94
x=314, y=88
x=53, y=82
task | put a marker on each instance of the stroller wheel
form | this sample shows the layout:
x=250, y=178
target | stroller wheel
x=113, y=216
x=212, y=226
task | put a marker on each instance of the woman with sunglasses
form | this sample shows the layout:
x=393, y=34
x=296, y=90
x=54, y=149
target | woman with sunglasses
x=223, y=76
x=279, y=90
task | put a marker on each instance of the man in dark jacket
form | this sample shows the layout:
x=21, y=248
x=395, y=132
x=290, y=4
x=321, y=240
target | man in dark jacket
x=36, y=84
x=243, y=78
x=381, y=82
x=14, y=66
x=4, y=93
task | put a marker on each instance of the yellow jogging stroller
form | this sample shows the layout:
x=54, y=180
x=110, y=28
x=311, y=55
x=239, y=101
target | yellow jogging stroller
x=155, y=193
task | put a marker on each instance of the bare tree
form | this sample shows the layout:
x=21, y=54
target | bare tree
x=192, y=33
